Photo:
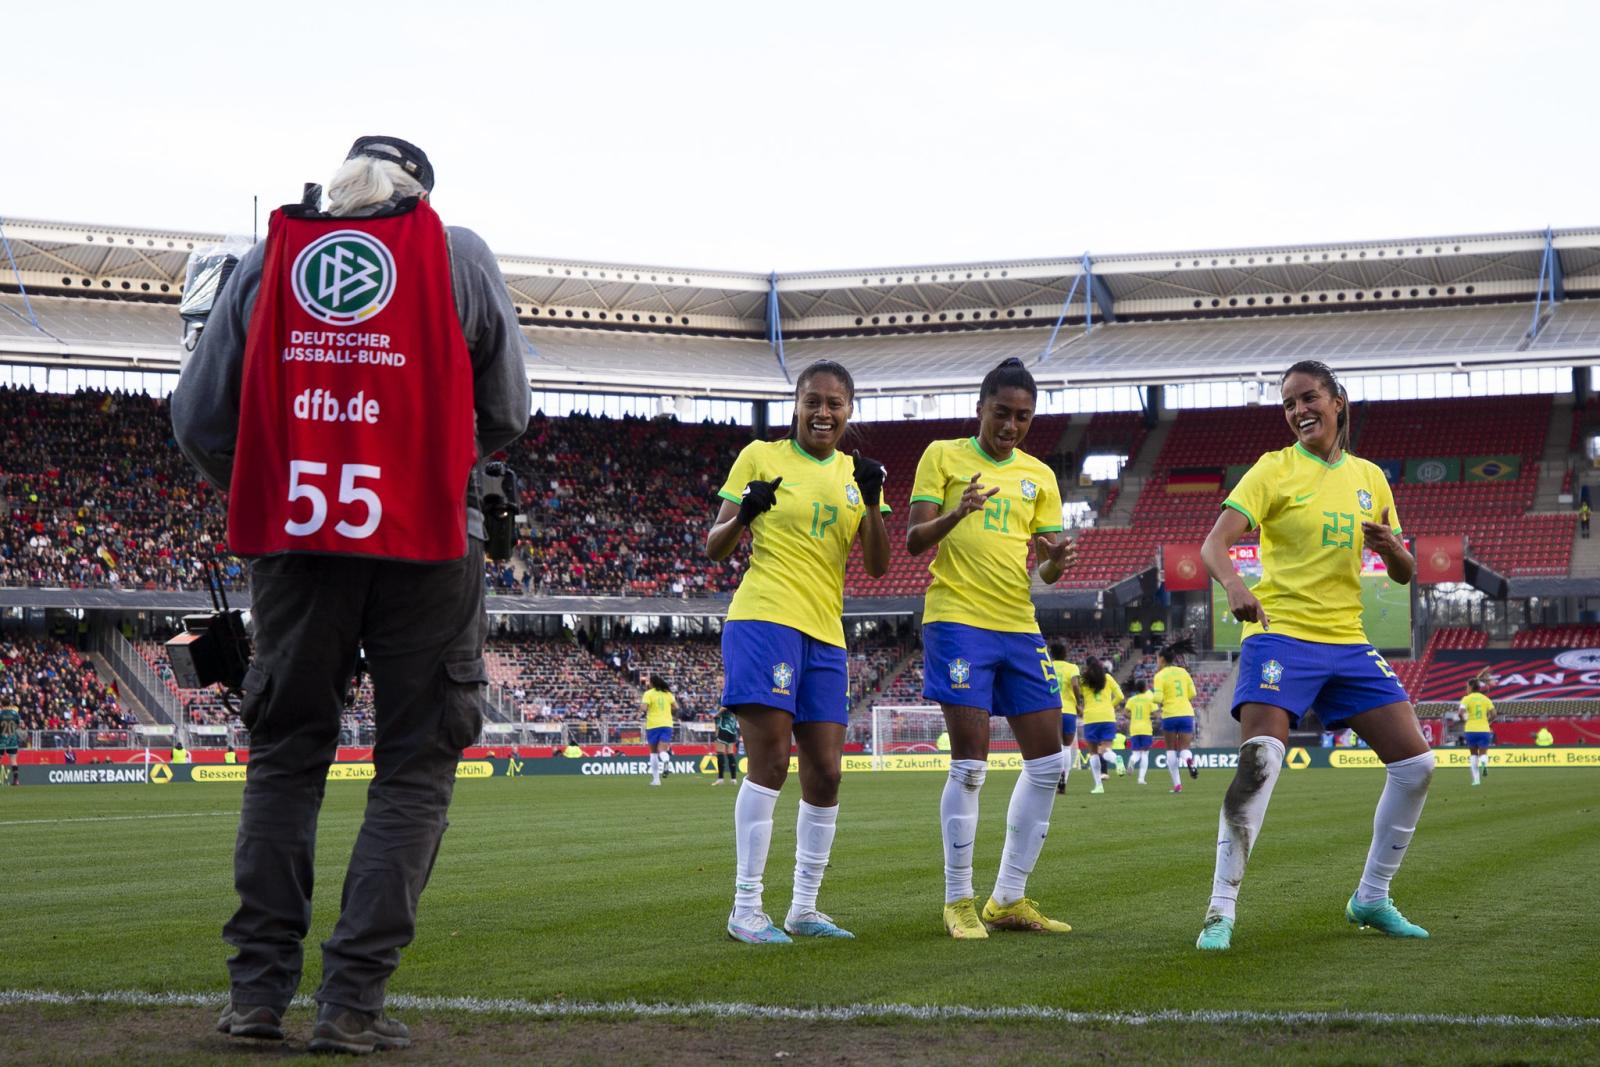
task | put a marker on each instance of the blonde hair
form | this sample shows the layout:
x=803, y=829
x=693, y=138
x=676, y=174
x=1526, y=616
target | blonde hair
x=365, y=182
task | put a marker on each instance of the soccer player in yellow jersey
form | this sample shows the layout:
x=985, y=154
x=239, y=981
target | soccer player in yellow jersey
x=1140, y=733
x=1071, y=705
x=1478, y=709
x=983, y=501
x=1318, y=508
x=1102, y=696
x=658, y=703
x=785, y=672
x=1174, y=691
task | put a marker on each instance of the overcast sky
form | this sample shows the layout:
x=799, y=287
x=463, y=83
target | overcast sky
x=821, y=134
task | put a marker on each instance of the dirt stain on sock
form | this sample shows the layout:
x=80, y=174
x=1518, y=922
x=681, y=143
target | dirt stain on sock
x=1252, y=774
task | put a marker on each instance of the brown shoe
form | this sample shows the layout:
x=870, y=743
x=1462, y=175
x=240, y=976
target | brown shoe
x=251, y=1020
x=356, y=1032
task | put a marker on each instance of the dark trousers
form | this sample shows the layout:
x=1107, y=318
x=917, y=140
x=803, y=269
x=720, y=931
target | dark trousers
x=422, y=627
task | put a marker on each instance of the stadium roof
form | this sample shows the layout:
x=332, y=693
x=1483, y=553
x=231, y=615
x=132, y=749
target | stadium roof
x=105, y=296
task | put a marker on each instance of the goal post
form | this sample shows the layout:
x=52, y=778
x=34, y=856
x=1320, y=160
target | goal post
x=916, y=728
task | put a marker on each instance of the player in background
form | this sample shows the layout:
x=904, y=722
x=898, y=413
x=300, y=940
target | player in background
x=10, y=741
x=983, y=502
x=1071, y=705
x=658, y=704
x=1478, y=709
x=1102, y=696
x=1140, y=735
x=1317, y=508
x=727, y=745
x=786, y=675
x=1174, y=691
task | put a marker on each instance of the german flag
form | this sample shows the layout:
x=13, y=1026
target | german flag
x=1194, y=480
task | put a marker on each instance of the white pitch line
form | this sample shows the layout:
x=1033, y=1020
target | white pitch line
x=120, y=818
x=913, y=1012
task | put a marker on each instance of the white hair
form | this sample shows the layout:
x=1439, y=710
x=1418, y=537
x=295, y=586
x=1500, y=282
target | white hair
x=364, y=182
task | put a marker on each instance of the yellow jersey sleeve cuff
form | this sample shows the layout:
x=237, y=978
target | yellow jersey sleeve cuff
x=729, y=497
x=1241, y=510
x=929, y=499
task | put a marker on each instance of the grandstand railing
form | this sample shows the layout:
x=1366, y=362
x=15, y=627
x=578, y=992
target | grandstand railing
x=1517, y=709
x=149, y=688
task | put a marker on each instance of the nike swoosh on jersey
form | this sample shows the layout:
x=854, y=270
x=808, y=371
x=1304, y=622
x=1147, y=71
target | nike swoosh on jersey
x=1301, y=498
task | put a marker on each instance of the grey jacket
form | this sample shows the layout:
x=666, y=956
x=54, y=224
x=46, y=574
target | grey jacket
x=205, y=405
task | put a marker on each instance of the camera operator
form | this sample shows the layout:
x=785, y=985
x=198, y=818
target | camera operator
x=355, y=368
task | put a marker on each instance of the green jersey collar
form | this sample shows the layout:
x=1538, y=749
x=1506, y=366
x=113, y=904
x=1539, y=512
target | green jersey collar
x=991, y=459
x=1313, y=457
x=819, y=462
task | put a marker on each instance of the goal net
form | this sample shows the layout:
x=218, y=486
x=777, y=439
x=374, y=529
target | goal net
x=917, y=729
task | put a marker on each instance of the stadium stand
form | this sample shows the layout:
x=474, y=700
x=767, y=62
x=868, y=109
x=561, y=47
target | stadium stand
x=1555, y=637
x=56, y=688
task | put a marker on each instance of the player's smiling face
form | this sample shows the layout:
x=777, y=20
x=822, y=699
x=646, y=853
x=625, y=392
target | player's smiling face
x=1312, y=412
x=822, y=410
x=1003, y=421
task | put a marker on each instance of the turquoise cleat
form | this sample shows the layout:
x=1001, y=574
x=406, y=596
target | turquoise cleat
x=1216, y=935
x=815, y=924
x=756, y=929
x=1383, y=916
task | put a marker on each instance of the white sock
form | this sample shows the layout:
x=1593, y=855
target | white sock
x=1143, y=758
x=1244, y=809
x=655, y=765
x=1393, y=823
x=1172, y=767
x=752, y=835
x=1027, y=823
x=1097, y=764
x=1472, y=762
x=813, y=841
x=1068, y=759
x=958, y=822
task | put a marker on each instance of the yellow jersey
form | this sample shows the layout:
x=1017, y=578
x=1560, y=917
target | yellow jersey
x=800, y=546
x=980, y=571
x=1101, y=706
x=658, y=707
x=1140, y=705
x=1174, y=690
x=1477, y=706
x=1065, y=673
x=1310, y=515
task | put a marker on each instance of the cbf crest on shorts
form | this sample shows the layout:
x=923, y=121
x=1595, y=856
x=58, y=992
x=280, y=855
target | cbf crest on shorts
x=1364, y=498
x=1271, y=674
x=852, y=494
x=1029, y=490
x=782, y=675
x=960, y=671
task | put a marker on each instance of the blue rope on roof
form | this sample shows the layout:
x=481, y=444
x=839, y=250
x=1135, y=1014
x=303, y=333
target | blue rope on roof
x=775, y=324
x=26, y=303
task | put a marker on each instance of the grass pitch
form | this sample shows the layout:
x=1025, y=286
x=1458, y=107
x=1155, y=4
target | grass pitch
x=562, y=889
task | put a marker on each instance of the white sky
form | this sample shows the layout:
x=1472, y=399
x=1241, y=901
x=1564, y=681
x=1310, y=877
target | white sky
x=822, y=134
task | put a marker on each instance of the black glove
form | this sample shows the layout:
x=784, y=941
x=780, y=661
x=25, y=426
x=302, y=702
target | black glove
x=869, y=478
x=757, y=498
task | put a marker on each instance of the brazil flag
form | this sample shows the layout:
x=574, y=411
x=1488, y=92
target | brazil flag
x=1493, y=468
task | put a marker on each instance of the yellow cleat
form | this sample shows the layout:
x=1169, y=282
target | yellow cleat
x=1023, y=915
x=961, y=920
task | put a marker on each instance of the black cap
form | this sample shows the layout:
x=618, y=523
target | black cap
x=413, y=160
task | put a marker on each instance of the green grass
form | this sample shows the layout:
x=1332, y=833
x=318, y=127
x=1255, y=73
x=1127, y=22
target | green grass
x=606, y=889
x=1385, y=614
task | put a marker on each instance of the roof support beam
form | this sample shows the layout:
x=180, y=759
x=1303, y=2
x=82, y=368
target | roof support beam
x=1552, y=283
x=775, y=324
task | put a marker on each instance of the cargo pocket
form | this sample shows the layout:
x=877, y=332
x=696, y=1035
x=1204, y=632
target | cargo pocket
x=254, y=690
x=465, y=681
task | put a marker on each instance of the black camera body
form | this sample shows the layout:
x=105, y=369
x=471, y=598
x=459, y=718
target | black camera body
x=212, y=648
x=502, y=495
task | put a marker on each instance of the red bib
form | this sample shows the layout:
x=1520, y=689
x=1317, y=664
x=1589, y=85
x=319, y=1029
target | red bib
x=356, y=405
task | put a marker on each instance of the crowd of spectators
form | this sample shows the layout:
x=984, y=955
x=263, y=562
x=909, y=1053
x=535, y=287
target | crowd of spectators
x=56, y=688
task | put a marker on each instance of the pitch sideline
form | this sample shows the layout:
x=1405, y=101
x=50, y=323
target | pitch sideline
x=909, y=1012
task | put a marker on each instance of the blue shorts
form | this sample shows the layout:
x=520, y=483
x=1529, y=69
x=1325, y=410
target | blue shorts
x=1140, y=742
x=777, y=666
x=1338, y=680
x=1069, y=724
x=1477, y=740
x=658, y=734
x=1097, y=732
x=1177, y=724
x=1004, y=674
